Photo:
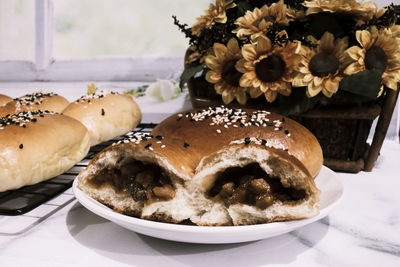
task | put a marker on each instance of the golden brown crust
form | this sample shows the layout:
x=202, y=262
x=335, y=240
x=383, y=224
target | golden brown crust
x=208, y=136
x=4, y=99
x=35, y=146
x=105, y=115
x=34, y=102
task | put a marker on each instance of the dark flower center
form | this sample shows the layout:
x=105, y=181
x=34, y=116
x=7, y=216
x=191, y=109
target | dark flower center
x=270, y=69
x=323, y=64
x=375, y=58
x=257, y=22
x=230, y=74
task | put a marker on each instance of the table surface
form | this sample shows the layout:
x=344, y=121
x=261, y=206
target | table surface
x=364, y=229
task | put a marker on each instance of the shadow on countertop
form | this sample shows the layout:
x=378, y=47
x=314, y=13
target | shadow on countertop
x=121, y=245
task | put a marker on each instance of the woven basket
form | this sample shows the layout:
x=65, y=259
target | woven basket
x=341, y=130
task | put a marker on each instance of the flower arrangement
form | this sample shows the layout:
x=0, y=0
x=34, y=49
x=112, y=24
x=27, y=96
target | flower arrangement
x=295, y=53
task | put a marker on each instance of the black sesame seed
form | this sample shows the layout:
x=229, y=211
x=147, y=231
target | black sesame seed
x=185, y=144
x=241, y=125
x=102, y=112
x=23, y=125
x=286, y=132
x=263, y=142
x=247, y=141
x=21, y=146
x=148, y=145
x=159, y=137
x=280, y=128
x=179, y=118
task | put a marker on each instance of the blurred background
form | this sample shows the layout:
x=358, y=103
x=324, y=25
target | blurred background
x=99, y=28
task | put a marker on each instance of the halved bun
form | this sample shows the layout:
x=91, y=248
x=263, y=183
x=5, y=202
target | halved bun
x=106, y=115
x=35, y=146
x=34, y=102
x=227, y=167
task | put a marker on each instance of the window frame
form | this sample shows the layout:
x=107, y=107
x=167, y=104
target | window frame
x=45, y=68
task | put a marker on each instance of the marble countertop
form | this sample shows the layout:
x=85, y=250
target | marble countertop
x=364, y=230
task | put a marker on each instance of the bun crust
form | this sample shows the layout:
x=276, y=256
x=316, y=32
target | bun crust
x=105, y=115
x=36, y=146
x=199, y=148
x=4, y=99
x=34, y=102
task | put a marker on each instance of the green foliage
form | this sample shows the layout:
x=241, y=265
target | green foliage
x=297, y=102
x=190, y=72
x=364, y=85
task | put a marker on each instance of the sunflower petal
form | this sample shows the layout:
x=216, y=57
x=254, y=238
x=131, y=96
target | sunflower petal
x=247, y=79
x=354, y=52
x=213, y=77
x=248, y=52
x=270, y=96
x=327, y=42
x=220, y=50
x=313, y=91
x=233, y=46
x=227, y=96
x=240, y=66
x=241, y=97
x=263, y=44
x=330, y=87
x=353, y=68
x=255, y=92
x=364, y=38
x=212, y=62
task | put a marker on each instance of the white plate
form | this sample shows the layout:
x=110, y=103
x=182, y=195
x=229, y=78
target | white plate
x=327, y=182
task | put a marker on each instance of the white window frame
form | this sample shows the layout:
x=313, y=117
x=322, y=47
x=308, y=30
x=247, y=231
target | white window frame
x=46, y=69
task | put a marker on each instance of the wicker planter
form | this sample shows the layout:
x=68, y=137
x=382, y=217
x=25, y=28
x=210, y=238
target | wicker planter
x=341, y=130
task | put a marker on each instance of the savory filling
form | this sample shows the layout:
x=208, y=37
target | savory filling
x=252, y=186
x=144, y=181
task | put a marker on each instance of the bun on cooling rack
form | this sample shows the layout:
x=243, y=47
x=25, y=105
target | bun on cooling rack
x=105, y=114
x=221, y=166
x=35, y=146
x=34, y=102
x=4, y=99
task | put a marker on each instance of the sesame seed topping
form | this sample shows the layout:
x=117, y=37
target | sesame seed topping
x=102, y=112
x=218, y=131
x=20, y=119
x=148, y=145
x=163, y=146
x=21, y=146
x=185, y=144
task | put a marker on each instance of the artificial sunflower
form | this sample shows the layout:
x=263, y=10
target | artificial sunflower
x=379, y=50
x=215, y=13
x=321, y=68
x=223, y=73
x=361, y=10
x=268, y=69
x=255, y=23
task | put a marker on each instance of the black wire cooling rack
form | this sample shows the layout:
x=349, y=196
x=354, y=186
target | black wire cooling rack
x=37, y=202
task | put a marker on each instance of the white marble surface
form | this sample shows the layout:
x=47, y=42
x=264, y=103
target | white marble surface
x=364, y=230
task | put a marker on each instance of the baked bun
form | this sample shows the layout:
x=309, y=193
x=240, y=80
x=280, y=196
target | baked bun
x=35, y=146
x=34, y=102
x=105, y=114
x=232, y=167
x=142, y=176
x=4, y=99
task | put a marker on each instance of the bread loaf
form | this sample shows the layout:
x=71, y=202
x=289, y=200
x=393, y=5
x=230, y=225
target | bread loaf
x=34, y=102
x=106, y=115
x=4, y=99
x=38, y=145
